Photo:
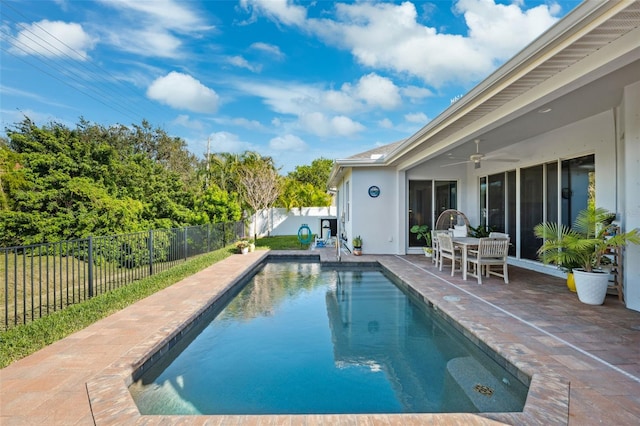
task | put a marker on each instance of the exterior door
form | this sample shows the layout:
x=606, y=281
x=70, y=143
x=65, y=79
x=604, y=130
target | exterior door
x=427, y=199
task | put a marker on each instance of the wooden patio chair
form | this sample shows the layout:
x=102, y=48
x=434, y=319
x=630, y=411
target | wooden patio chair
x=490, y=252
x=448, y=251
x=436, y=245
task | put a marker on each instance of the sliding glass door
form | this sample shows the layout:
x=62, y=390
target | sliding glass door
x=546, y=194
x=427, y=199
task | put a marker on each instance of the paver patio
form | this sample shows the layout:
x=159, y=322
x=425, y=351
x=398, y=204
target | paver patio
x=584, y=360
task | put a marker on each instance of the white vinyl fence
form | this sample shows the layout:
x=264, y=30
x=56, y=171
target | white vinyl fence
x=279, y=221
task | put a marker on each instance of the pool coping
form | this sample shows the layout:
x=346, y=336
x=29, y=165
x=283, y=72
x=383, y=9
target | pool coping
x=547, y=401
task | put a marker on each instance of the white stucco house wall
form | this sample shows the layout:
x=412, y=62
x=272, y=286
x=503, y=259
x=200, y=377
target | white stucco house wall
x=560, y=114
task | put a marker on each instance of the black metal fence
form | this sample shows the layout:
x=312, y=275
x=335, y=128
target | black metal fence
x=43, y=278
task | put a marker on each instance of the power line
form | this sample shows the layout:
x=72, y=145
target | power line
x=111, y=96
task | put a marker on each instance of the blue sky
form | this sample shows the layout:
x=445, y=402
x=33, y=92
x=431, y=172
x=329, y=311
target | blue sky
x=289, y=79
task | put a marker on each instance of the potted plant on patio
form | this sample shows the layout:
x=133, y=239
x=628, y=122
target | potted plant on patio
x=422, y=232
x=357, y=245
x=243, y=246
x=584, y=245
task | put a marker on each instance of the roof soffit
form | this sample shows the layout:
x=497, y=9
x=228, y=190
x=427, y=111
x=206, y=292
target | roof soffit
x=558, y=56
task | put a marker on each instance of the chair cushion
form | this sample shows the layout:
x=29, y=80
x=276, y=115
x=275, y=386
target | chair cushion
x=460, y=231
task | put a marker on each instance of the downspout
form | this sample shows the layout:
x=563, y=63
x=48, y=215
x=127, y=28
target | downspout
x=338, y=242
x=615, y=151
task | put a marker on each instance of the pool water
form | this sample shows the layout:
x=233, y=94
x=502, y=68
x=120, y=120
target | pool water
x=301, y=338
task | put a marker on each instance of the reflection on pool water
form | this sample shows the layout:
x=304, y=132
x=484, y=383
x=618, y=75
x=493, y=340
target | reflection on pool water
x=301, y=338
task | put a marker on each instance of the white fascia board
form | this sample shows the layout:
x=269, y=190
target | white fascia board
x=341, y=164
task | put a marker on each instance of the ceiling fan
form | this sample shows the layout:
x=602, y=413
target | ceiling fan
x=478, y=156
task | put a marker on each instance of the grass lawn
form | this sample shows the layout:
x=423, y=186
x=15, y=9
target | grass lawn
x=281, y=242
x=25, y=339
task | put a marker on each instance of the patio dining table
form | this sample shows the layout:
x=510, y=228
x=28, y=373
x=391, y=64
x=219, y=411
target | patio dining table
x=465, y=243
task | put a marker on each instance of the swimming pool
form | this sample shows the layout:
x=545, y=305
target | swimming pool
x=304, y=338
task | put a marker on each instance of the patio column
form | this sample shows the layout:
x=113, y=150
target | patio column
x=630, y=190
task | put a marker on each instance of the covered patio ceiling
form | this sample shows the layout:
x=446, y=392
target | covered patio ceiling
x=602, y=95
x=576, y=70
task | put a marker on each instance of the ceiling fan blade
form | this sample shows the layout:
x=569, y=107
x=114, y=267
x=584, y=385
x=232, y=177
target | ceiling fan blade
x=503, y=160
x=456, y=163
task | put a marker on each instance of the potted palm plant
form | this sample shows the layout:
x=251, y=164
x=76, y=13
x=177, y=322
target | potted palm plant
x=422, y=232
x=585, y=244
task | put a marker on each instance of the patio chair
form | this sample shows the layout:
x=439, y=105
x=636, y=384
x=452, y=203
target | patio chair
x=448, y=251
x=490, y=252
x=435, y=245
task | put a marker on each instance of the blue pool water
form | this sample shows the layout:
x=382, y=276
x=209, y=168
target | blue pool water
x=301, y=338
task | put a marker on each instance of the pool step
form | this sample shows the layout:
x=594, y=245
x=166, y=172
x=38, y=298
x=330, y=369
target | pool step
x=484, y=391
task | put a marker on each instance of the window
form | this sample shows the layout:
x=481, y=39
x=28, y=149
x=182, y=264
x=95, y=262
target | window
x=545, y=193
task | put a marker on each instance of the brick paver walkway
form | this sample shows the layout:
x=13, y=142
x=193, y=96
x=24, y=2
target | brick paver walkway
x=584, y=360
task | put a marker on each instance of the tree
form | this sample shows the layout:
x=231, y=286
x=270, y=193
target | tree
x=62, y=183
x=298, y=194
x=260, y=185
x=316, y=174
x=215, y=205
x=306, y=186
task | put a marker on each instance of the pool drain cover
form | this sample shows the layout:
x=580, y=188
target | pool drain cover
x=484, y=390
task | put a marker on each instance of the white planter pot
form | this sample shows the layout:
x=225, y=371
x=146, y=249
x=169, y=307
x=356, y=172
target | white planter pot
x=591, y=286
x=428, y=253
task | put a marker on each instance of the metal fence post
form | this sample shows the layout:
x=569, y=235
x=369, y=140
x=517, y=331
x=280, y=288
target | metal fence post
x=224, y=234
x=90, y=266
x=186, y=245
x=150, y=252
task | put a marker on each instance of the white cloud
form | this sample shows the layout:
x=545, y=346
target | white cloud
x=319, y=124
x=150, y=42
x=240, y=62
x=369, y=92
x=168, y=14
x=500, y=30
x=287, y=143
x=391, y=36
x=415, y=92
x=344, y=126
x=182, y=91
x=282, y=11
x=53, y=39
x=340, y=101
x=418, y=117
x=248, y=124
x=229, y=142
x=273, y=51
x=385, y=123
x=378, y=91
x=152, y=28
x=185, y=121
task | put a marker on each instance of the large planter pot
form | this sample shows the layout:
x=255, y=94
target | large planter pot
x=591, y=286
